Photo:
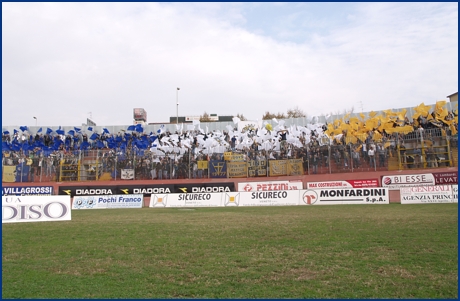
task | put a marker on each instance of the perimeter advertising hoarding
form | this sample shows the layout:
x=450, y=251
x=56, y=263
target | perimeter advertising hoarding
x=397, y=181
x=181, y=200
x=17, y=209
x=146, y=190
x=429, y=194
x=259, y=198
x=108, y=201
x=344, y=184
x=262, y=198
x=27, y=190
x=345, y=196
x=269, y=186
x=445, y=178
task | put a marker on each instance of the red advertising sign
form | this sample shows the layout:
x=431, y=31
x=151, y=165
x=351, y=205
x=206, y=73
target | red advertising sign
x=344, y=184
x=445, y=178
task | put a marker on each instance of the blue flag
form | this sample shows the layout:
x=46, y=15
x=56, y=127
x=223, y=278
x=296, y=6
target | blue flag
x=15, y=131
x=6, y=132
x=77, y=129
x=94, y=136
x=131, y=128
x=104, y=130
x=49, y=131
x=23, y=128
x=139, y=128
x=71, y=132
x=90, y=128
x=39, y=130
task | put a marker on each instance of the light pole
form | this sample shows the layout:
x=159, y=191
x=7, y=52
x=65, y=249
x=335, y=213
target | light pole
x=177, y=105
x=36, y=120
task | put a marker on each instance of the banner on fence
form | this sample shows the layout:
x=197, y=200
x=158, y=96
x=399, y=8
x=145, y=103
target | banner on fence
x=9, y=174
x=295, y=167
x=257, y=168
x=108, y=201
x=344, y=184
x=217, y=169
x=202, y=164
x=270, y=185
x=27, y=190
x=397, y=181
x=16, y=209
x=22, y=173
x=127, y=174
x=237, y=169
x=278, y=168
x=345, y=196
x=429, y=194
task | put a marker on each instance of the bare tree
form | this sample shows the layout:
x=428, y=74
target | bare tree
x=205, y=117
x=295, y=113
x=241, y=117
x=269, y=116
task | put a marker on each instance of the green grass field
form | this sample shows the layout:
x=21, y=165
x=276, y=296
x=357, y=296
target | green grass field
x=346, y=251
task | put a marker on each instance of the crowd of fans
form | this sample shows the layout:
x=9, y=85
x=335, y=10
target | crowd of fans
x=164, y=155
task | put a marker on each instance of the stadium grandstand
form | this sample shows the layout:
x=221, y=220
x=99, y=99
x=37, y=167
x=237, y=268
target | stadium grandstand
x=420, y=137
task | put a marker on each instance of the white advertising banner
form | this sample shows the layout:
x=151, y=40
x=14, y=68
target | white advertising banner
x=127, y=174
x=429, y=194
x=398, y=181
x=262, y=198
x=108, y=201
x=172, y=200
x=344, y=184
x=455, y=193
x=345, y=196
x=270, y=186
x=16, y=209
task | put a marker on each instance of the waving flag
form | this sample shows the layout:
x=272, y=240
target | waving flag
x=49, y=131
x=139, y=128
x=23, y=128
x=6, y=132
x=131, y=128
x=161, y=129
x=105, y=131
x=77, y=129
x=39, y=130
x=94, y=136
x=59, y=131
x=90, y=128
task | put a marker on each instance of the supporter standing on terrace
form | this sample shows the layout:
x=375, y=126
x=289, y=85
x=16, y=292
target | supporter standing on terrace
x=371, y=155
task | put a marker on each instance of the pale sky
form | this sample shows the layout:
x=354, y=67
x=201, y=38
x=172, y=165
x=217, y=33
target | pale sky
x=65, y=62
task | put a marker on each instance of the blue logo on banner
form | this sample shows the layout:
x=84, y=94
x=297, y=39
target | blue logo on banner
x=218, y=169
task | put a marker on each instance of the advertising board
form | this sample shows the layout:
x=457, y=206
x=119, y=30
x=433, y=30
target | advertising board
x=108, y=201
x=186, y=200
x=429, y=194
x=345, y=196
x=16, y=209
x=269, y=186
x=27, y=190
x=395, y=182
x=262, y=198
x=344, y=184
